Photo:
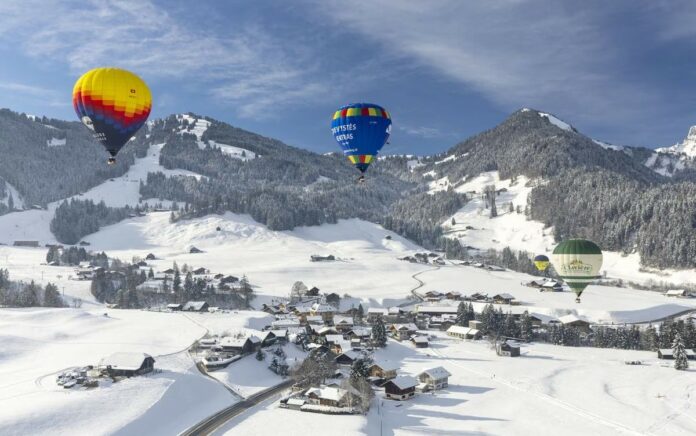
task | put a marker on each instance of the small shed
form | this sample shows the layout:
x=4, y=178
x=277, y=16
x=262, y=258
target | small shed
x=503, y=298
x=668, y=354
x=174, y=307
x=195, y=306
x=508, y=348
x=676, y=293
x=400, y=388
x=420, y=341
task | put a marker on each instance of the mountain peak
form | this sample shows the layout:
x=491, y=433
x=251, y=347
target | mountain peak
x=686, y=148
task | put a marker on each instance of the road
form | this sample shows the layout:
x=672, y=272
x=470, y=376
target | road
x=213, y=422
x=421, y=283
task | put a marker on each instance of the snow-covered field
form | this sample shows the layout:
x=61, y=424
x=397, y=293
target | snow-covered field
x=38, y=343
x=549, y=390
x=512, y=229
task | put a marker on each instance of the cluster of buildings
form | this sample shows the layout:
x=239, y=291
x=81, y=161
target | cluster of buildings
x=115, y=366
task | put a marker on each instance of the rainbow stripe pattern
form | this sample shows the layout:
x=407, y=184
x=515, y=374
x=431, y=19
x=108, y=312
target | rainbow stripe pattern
x=361, y=130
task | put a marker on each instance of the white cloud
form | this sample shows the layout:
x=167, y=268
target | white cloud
x=422, y=131
x=248, y=68
x=517, y=53
x=31, y=90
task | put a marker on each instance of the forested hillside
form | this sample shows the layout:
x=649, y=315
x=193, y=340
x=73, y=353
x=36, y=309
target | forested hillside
x=48, y=160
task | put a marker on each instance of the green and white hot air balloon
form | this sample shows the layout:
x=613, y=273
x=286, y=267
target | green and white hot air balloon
x=577, y=262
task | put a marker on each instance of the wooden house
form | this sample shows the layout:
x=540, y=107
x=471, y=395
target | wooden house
x=384, y=369
x=195, y=306
x=329, y=396
x=420, y=341
x=434, y=378
x=668, y=354
x=348, y=357
x=507, y=348
x=400, y=388
x=463, y=332
x=503, y=298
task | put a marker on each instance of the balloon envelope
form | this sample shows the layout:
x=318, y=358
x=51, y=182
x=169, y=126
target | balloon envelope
x=541, y=262
x=113, y=103
x=577, y=262
x=361, y=130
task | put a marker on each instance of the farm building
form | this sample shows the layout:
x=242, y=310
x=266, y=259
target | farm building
x=503, y=298
x=668, y=354
x=329, y=396
x=400, y=388
x=436, y=310
x=434, y=378
x=195, y=306
x=507, y=348
x=174, y=307
x=125, y=364
x=403, y=331
x=676, y=293
x=343, y=323
x=463, y=332
x=376, y=313
x=575, y=321
x=348, y=357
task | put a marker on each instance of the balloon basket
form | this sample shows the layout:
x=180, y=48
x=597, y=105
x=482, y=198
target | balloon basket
x=111, y=161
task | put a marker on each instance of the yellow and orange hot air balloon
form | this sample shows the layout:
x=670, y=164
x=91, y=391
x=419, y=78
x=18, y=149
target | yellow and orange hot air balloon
x=113, y=103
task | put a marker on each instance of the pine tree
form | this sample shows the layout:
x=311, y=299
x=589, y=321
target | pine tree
x=359, y=315
x=360, y=369
x=176, y=283
x=379, y=334
x=681, y=361
x=462, y=318
x=260, y=356
x=649, y=339
x=52, y=296
x=526, y=327
x=151, y=274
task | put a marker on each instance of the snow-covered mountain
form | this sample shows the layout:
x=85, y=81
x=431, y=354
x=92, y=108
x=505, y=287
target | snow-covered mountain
x=685, y=149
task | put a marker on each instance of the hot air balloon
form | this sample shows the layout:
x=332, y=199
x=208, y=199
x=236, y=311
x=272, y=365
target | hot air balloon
x=112, y=103
x=577, y=262
x=361, y=130
x=541, y=262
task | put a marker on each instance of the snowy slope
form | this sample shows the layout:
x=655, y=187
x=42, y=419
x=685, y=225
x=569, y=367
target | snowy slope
x=686, y=149
x=37, y=343
x=512, y=229
x=16, y=197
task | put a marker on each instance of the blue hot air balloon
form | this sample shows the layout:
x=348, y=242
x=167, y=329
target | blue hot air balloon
x=361, y=129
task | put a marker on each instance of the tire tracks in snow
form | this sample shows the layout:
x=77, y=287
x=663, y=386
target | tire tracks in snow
x=548, y=398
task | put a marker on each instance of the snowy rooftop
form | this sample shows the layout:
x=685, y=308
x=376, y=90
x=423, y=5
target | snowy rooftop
x=404, y=382
x=125, y=360
x=437, y=373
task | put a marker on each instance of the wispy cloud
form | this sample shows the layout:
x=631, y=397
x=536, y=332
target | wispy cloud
x=246, y=68
x=31, y=90
x=422, y=131
x=515, y=52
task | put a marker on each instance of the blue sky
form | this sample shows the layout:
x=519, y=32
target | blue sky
x=620, y=71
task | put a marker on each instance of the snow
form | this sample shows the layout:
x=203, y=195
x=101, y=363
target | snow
x=510, y=229
x=231, y=150
x=607, y=146
x=686, y=149
x=556, y=122
x=413, y=164
x=449, y=158
x=200, y=125
x=16, y=197
x=39, y=343
x=55, y=142
x=665, y=164
x=124, y=360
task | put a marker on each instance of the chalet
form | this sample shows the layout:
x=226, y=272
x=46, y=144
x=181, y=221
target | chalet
x=325, y=331
x=552, y=286
x=174, y=307
x=334, y=339
x=400, y=388
x=463, y=332
x=403, y=331
x=343, y=323
x=255, y=342
x=348, y=357
x=314, y=320
x=503, y=298
x=376, y=313
x=199, y=271
x=668, y=354
x=341, y=346
x=150, y=256
x=313, y=292
x=329, y=396
x=228, y=279
x=195, y=306
x=676, y=293
x=268, y=338
x=477, y=296
x=575, y=321
x=395, y=311
x=281, y=336
x=434, y=378
x=360, y=333
x=420, y=341
x=453, y=295
x=317, y=258
x=125, y=364
x=168, y=271
x=239, y=345
x=539, y=319
x=195, y=250
x=324, y=310
x=433, y=296
x=508, y=348
x=384, y=369
x=273, y=310
x=333, y=299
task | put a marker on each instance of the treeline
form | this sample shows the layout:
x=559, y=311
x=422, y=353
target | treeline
x=72, y=256
x=77, y=218
x=21, y=294
x=419, y=217
x=43, y=173
x=621, y=214
x=495, y=323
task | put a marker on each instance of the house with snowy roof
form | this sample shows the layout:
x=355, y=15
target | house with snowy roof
x=434, y=378
x=400, y=388
x=127, y=364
